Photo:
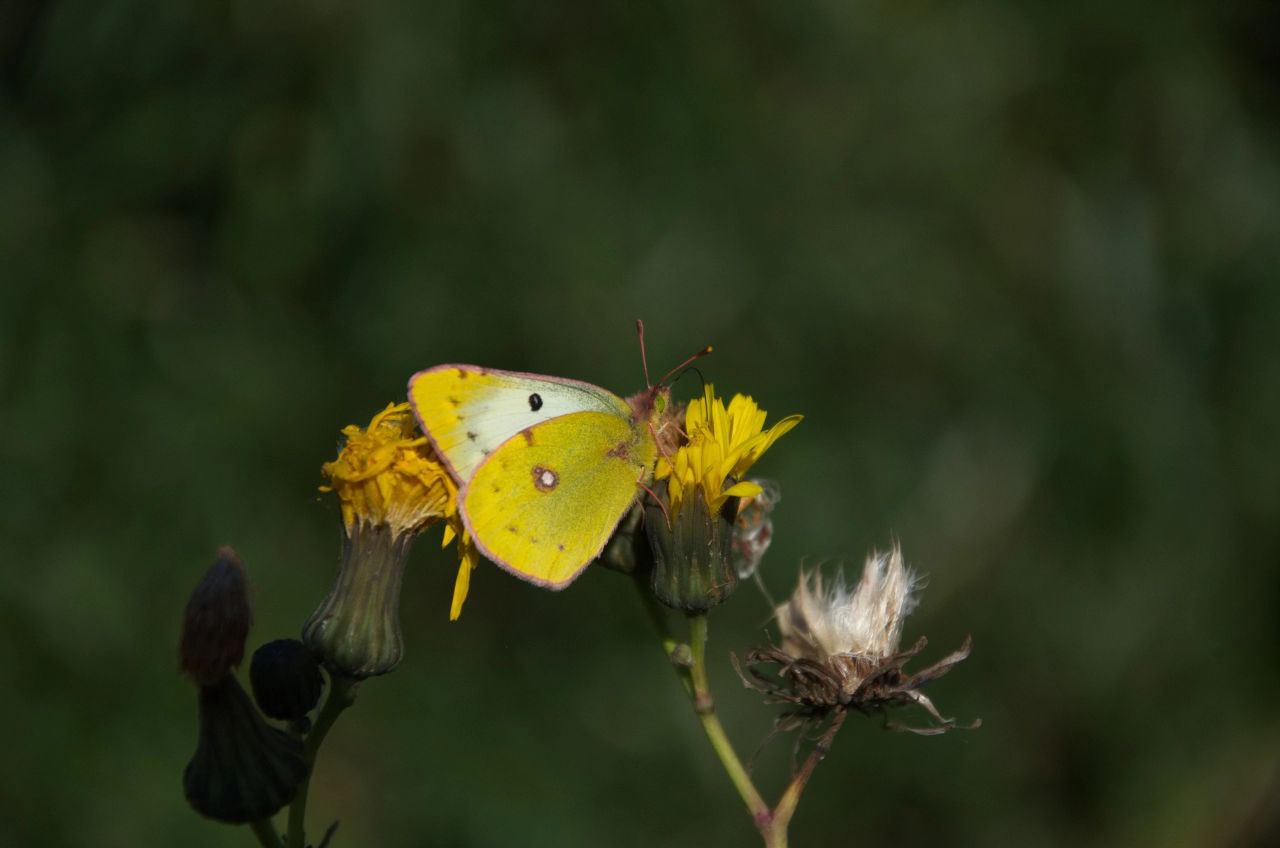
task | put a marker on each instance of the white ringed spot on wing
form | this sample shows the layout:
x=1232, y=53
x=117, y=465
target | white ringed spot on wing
x=545, y=479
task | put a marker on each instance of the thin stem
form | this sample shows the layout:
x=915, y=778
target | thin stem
x=791, y=797
x=342, y=694
x=266, y=833
x=657, y=614
x=693, y=675
x=705, y=706
x=772, y=823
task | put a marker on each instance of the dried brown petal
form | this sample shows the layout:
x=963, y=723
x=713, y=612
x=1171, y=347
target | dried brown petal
x=815, y=689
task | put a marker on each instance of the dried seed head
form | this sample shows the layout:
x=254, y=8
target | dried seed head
x=840, y=649
x=820, y=622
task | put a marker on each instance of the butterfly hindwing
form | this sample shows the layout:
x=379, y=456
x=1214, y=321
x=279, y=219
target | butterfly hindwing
x=545, y=502
x=468, y=411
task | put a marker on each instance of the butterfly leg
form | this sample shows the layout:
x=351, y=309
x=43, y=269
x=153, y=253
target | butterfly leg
x=662, y=506
x=662, y=449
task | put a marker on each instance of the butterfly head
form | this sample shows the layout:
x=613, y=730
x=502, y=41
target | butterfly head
x=653, y=405
x=653, y=410
x=650, y=405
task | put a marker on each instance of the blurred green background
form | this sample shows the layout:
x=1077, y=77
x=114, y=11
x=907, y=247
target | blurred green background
x=1015, y=262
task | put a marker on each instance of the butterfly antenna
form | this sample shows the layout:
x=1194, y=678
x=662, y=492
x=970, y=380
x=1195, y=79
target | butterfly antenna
x=644, y=360
x=706, y=350
x=702, y=379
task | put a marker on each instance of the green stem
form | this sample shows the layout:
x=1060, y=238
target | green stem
x=342, y=694
x=266, y=833
x=705, y=706
x=791, y=797
x=692, y=670
x=658, y=615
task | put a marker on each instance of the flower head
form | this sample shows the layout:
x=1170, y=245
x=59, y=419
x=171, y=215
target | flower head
x=723, y=444
x=840, y=648
x=392, y=486
x=388, y=474
x=693, y=541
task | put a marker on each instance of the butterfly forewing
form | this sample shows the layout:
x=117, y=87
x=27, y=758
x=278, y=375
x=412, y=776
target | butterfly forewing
x=468, y=411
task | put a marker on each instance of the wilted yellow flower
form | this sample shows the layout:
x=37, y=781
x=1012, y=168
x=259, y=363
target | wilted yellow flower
x=388, y=474
x=723, y=444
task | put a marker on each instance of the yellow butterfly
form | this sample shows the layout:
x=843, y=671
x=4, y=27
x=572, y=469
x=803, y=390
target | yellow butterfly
x=546, y=466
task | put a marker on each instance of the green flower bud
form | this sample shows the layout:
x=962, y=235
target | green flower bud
x=286, y=679
x=692, y=557
x=243, y=770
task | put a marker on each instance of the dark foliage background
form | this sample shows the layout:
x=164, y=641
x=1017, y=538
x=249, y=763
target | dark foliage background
x=1016, y=262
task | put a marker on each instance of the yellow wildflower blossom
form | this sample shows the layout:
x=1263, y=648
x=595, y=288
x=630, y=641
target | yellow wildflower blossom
x=387, y=473
x=723, y=444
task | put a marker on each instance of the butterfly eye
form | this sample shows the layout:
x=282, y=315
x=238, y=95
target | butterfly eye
x=535, y=402
x=660, y=404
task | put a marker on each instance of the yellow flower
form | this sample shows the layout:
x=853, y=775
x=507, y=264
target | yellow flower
x=723, y=444
x=388, y=474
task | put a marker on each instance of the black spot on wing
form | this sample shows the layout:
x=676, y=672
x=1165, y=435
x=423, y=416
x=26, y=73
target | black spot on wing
x=535, y=402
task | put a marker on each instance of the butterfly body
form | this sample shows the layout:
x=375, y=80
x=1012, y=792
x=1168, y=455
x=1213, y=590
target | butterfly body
x=546, y=466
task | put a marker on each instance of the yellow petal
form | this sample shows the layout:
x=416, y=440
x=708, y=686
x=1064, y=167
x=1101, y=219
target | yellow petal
x=745, y=489
x=461, y=585
x=764, y=442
